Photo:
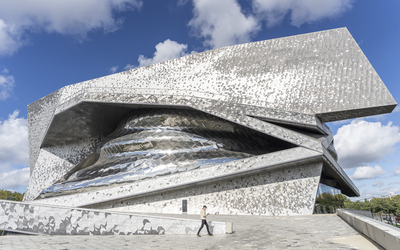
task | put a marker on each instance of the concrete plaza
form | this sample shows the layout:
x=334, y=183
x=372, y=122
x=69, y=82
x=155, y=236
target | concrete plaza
x=250, y=232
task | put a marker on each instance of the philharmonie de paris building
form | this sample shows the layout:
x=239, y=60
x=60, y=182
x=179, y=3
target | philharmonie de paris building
x=240, y=129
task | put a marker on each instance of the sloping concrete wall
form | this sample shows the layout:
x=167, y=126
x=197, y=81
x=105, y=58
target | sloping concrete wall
x=57, y=220
x=385, y=235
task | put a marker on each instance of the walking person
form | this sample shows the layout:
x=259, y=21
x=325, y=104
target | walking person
x=203, y=216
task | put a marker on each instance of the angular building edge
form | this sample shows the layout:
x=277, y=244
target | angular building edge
x=201, y=82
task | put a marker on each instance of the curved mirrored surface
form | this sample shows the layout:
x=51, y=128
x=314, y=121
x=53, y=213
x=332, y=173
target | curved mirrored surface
x=155, y=142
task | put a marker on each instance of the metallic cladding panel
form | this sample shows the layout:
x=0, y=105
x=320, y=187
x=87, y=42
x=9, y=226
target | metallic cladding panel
x=40, y=114
x=155, y=142
x=112, y=105
x=315, y=73
x=182, y=180
x=83, y=120
x=258, y=194
x=300, y=81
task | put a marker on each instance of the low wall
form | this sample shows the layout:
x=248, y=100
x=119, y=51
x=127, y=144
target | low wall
x=360, y=212
x=56, y=220
x=385, y=235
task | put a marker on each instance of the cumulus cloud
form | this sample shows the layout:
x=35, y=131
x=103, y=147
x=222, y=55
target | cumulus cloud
x=396, y=171
x=166, y=50
x=382, y=192
x=300, y=11
x=362, y=142
x=71, y=17
x=378, y=184
x=14, y=151
x=222, y=22
x=367, y=172
x=129, y=66
x=6, y=85
x=114, y=69
x=10, y=38
x=12, y=179
x=14, y=140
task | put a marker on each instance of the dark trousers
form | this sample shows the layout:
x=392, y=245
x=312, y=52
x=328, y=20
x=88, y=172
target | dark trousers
x=204, y=222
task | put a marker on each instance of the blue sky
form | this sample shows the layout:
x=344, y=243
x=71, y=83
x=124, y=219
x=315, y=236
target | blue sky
x=47, y=44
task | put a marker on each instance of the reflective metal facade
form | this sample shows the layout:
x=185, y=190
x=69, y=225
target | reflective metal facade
x=156, y=142
x=230, y=125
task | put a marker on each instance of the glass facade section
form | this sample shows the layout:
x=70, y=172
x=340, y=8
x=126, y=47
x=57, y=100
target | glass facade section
x=328, y=199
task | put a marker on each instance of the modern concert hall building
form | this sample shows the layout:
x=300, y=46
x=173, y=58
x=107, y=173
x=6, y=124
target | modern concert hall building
x=240, y=128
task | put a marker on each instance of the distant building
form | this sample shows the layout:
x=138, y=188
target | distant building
x=240, y=128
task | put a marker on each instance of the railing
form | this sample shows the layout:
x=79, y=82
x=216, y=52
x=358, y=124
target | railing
x=385, y=235
x=387, y=218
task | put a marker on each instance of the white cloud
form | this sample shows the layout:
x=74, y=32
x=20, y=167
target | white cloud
x=361, y=142
x=222, y=23
x=390, y=191
x=14, y=140
x=300, y=11
x=397, y=171
x=11, y=179
x=378, y=184
x=114, y=69
x=14, y=151
x=10, y=38
x=182, y=2
x=6, y=85
x=382, y=191
x=166, y=50
x=129, y=66
x=71, y=17
x=367, y=172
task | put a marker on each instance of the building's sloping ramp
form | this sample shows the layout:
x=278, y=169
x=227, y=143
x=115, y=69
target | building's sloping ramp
x=56, y=220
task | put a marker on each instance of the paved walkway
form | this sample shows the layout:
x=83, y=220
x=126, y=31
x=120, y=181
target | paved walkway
x=251, y=232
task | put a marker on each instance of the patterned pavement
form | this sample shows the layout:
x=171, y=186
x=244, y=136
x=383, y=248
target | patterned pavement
x=250, y=232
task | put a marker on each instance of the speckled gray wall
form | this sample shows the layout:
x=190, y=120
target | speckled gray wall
x=54, y=220
x=309, y=73
x=216, y=173
x=289, y=191
x=40, y=114
x=54, y=162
